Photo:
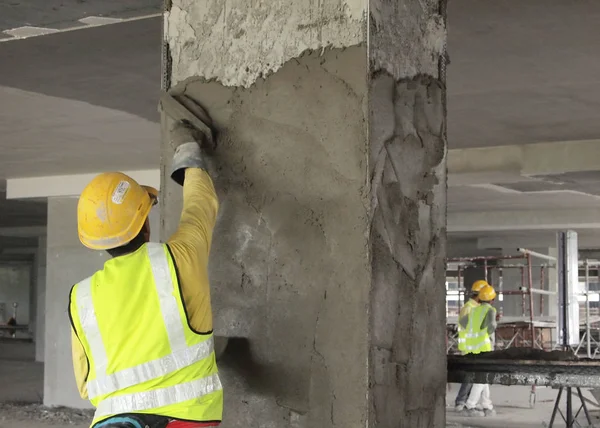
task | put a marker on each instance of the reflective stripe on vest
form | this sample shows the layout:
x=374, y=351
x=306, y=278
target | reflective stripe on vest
x=477, y=339
x=462, y=332
x=159, y=398
x=181, y=356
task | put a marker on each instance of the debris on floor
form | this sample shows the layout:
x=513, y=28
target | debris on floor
x=37, y=412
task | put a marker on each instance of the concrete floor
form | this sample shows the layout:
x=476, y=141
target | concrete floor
x=513, y=411
x=21, y=391
x=22, y=383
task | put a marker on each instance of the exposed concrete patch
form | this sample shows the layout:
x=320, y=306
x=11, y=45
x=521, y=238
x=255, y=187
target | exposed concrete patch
x=257, y=37
x=410, y=37
x=408, y=188
x=288, y=263
x=408, y=202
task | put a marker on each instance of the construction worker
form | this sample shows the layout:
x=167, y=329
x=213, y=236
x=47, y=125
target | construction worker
x=480, y=338
x=143, y=348
x=473, y=302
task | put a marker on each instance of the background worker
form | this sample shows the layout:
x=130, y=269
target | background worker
x=473, y=302
x=143, y=349
x=480, y=338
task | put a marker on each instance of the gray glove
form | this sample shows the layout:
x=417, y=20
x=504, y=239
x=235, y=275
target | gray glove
x=192, y=145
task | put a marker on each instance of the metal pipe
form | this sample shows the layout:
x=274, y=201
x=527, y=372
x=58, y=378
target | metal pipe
x=485, y=268
x=536, y=254
x=473, y=259
x=542, y=278
x=522, y=297
x=531, y=314
x=512, y=292
x=538, y=291
x=587, y=309
x=522, y=265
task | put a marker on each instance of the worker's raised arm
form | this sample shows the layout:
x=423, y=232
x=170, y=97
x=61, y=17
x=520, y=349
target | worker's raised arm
x=190, y=244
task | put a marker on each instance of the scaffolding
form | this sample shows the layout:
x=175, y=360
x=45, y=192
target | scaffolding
x=527, y=330
x=529, y=325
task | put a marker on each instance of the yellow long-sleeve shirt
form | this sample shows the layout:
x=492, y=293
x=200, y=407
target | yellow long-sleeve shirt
x=190, y=247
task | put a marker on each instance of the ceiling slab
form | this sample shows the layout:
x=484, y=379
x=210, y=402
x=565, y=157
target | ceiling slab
x=115, y=66
x=523, y=71
x=45, y=135
x=63, y=13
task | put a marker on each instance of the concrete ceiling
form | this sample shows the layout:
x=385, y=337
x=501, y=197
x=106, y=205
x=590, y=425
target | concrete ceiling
x=80, y=101
x=520, y=73
x=59, y=14
x=523, y=71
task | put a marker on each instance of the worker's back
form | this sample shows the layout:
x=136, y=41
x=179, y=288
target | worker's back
x=131, y=320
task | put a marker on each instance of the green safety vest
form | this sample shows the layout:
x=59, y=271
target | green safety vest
x=462, y=332
x=477, y=339
x=143, y=356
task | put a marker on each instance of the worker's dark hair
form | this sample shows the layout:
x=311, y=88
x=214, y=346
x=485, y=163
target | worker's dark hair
x=130, y=247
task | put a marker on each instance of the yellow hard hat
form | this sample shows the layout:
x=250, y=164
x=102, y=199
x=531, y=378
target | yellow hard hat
x=112, y=210
x=478, y=285
x=487, y=294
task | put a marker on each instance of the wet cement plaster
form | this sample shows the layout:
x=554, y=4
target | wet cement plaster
x=289, y=266
x=329, y=248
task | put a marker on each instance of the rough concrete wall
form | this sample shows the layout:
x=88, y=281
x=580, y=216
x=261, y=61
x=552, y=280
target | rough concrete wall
x=408, y=230
x=238, y=41
x=15, y=281
x=289, y=266
x=67, y=262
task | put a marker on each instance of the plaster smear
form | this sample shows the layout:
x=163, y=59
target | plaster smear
x=235, y=42
x=288, y=263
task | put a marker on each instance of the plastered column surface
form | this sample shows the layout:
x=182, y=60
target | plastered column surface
x=329, y=247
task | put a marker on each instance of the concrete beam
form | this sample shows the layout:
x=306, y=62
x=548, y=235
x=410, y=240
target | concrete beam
x=23, y=232
x=543, y=239
x=67, y=185
x=17, y=242
x=23, y=250
x=485, y=221
x=508, y=163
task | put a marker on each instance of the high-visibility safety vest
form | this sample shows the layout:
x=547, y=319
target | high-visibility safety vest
x=143, y=356
x=462, y=332
x=477, y=338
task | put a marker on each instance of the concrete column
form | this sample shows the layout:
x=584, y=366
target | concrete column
x=67, y=263
x=329, y=249
x=40, y=286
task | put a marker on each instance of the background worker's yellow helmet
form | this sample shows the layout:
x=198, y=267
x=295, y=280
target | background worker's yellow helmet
x=112, y=210
x=478, y=285
x=487, y=294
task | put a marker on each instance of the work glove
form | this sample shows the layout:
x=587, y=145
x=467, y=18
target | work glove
x=193, y=146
